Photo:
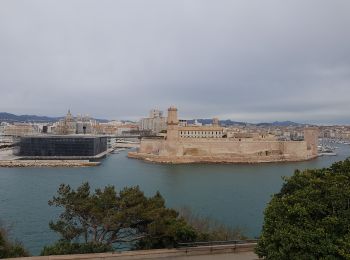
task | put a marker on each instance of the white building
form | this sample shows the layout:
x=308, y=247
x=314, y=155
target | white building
x=201, y=132
x=156, y=122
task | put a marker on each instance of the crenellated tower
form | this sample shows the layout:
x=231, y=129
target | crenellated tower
x=172, y=124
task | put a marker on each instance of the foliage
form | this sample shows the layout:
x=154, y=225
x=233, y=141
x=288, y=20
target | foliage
x=166, y=232
x=123, y=219
x=8, y=248
x=65, y=247
x=209, y=229
x=310, y=217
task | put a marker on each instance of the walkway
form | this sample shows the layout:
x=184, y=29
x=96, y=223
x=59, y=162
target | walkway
x=220, y=252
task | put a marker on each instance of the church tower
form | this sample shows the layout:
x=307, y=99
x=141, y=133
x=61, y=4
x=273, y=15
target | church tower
x=172, y=124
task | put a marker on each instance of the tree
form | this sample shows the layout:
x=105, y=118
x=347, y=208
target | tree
x=8, y=248
x=310, y=217
x=126, y=218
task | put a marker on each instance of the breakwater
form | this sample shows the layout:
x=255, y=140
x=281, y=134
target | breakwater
x=47, y=163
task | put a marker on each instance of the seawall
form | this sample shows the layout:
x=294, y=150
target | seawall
x=222, y=151
x=47, y=163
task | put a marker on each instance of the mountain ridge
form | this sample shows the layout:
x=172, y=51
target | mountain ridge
x=229, y=122
x=12, y=118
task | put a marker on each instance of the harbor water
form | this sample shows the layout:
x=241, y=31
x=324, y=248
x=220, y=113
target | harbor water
x=232, y=194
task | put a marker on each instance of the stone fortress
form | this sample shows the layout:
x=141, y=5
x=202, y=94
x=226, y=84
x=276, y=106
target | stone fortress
x=213, y=144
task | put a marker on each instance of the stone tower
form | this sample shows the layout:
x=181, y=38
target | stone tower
x=215, y=121
x=172, y=124
x=311, y=139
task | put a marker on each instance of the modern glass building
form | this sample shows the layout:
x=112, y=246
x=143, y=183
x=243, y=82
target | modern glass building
x=62, y=146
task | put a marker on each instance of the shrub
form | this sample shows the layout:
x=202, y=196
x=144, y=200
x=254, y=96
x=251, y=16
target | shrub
x=8, y=248
x=310, y=217
x=209, y=229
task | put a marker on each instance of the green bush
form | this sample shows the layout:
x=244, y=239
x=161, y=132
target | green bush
x=209, y=229
x=167, y=232
x=310, y=217
x=8, y=248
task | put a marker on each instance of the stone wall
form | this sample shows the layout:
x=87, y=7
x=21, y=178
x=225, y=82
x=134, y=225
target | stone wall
x=151, y=146
x=222, y=150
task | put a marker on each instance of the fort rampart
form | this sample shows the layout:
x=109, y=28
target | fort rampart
x=222, y=151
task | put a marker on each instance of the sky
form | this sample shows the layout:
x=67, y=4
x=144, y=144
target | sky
x=245, y=60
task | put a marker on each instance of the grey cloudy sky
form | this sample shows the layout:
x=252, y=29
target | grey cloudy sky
x=247, y=60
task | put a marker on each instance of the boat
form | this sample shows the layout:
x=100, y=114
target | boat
x=327, y=154
x=326, y=150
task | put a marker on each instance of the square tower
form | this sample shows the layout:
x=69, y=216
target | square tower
x=311, y=139
x=172, y=124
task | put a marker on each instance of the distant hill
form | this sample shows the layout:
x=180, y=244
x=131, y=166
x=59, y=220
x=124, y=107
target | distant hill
x=206, y=121
x=7, y=117
x=280, y=123
x=229, y=122
x=11, y=118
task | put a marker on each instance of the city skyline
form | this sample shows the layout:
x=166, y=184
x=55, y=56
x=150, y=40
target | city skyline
x=266, y=62
x=145, y=116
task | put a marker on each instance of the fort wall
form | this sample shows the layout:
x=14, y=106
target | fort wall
x=222, y=150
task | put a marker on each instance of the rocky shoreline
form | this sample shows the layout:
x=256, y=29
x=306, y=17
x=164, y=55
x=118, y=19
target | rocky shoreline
x=47, y=163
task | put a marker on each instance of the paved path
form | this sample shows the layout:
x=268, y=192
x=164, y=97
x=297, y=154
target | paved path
x=220, y=252
x=236, y=256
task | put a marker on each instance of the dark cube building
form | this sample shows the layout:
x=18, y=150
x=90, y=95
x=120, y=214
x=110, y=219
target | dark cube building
x=62, y=146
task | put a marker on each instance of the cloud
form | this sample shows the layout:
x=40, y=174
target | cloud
x=247, y=60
